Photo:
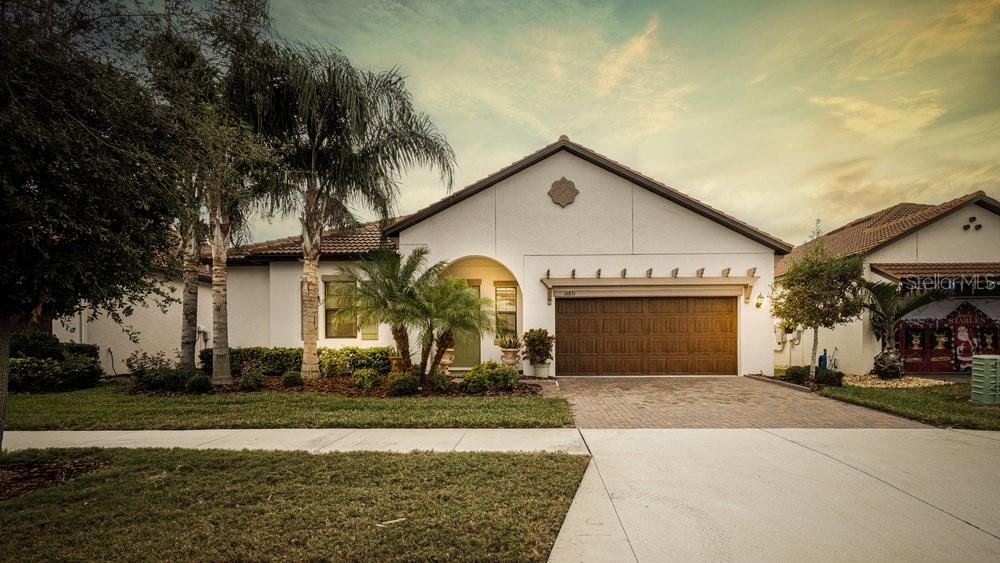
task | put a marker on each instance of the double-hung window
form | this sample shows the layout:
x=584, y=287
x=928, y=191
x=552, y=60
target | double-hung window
x=505, y=299
x=337, y=327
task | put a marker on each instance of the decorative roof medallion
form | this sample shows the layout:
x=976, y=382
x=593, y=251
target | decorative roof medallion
x=563, y=192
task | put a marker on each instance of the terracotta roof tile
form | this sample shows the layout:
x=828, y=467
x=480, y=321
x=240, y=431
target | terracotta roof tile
x=353, y=241
x=882, y=227
x=898, y=270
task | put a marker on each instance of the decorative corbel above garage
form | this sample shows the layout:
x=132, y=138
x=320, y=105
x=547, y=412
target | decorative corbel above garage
x=675, y=285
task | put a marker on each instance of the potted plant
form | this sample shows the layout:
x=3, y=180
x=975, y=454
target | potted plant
x=446, y=360
x=396, y=361
x=538, y=350
x=510, y=346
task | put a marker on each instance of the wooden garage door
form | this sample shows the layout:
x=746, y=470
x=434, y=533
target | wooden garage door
x=646, y=335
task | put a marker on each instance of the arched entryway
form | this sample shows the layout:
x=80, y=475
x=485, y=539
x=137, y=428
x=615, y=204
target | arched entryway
x=496, y=282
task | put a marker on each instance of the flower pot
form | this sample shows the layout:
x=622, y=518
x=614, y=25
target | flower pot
x=509, y=356
x=541, y=370
x=447, y=358
x=396, y=364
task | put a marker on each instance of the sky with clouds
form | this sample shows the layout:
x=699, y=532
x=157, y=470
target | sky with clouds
x=779, y=113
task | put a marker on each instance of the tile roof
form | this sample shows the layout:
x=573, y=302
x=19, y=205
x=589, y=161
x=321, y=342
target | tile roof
x=898, y=270
x=348, y=242
x=882, y=227
x=608, y=164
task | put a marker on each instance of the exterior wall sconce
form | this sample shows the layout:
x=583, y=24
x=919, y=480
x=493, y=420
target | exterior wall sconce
x=760, y=301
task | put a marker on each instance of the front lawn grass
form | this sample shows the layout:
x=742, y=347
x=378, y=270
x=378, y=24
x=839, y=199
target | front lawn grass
x=941, y=405
x=108, y=407
x=180, y=505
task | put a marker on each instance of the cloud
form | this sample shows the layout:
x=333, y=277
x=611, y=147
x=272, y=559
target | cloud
x=886, y=123
x=616, y=64
x=914, y=40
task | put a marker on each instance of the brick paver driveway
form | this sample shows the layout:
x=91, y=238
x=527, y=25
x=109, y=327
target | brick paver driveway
x=710, y=402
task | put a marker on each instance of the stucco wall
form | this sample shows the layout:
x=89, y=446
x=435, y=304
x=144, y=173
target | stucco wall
x=942, y=241
x=284, y=305
x=613, y=224
x=157, y=331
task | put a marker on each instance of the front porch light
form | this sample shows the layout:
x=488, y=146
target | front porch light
x=760, y=301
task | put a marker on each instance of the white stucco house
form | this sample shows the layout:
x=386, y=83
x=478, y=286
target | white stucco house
x=632, y=276
x=954, y=245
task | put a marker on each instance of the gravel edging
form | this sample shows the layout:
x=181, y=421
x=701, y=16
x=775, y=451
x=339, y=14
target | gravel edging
x=779, y=382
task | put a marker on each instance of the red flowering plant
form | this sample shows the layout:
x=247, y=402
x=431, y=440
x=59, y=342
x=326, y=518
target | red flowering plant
x=538, y=345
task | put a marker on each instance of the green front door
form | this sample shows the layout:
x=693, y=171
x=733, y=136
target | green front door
x=467, y=347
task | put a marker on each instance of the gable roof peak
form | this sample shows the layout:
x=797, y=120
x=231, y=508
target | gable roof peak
x=593, y=157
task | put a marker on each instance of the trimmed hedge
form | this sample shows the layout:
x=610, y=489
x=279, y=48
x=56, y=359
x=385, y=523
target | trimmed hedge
x=35, y=344
x=44, y=375
x=154, y=372
x=824, y=376
x=271, y=361
x=489, y=376
x=367, y=378
x=334, y=362
x=78, y=349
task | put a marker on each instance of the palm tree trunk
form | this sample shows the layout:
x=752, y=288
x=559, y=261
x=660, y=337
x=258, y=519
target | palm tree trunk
x=402, y=338
x=6, y=327
x=312, y=240
x=425, y=353
x=189, y=299
x=221, y=373
x=443, y=342
x=812, y=362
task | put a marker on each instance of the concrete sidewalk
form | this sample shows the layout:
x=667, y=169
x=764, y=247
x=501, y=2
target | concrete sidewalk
x=565, y=440
x=786, y=495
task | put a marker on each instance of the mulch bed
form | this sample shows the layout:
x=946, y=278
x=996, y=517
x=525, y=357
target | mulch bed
x=345, y=386
x=17, y=479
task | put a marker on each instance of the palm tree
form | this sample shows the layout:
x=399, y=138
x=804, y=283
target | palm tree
x=184, y=81
x=232, y=159
x=887, y=305
x=445, y=309
x=349, y=135
x=387, y=285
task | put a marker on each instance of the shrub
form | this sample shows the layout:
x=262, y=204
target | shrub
x=509, y=341
x=292, y=379
x=824, y=376
x=441, y=381
x=271, y=360
x=34, y=375
x=367, y=378
x=78, y=349
x=80, y=372
x=489, y=376
x=154, y=372
x=401, y=384
x=251, y=378
x=35, y=344
x=198, y=383
x=345, y=361
x=538, y=346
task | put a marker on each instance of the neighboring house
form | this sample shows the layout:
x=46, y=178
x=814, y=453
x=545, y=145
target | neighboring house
x=632, y=276
x=155, y=330
x=954, y=245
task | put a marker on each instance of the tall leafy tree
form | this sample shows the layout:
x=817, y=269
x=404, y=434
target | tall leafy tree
x=385, y=292
x=349, y=134
x=88, y=199
x=887, y=303
x=819, y=291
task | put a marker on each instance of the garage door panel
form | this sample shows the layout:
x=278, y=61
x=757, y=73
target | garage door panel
x=652, y=335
